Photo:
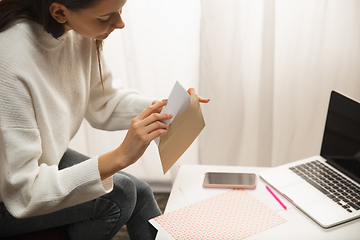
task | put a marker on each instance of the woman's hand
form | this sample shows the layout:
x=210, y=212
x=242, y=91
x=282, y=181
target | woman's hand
x=144, y=128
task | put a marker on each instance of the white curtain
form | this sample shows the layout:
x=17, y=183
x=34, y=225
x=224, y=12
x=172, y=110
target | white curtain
x=267, y=65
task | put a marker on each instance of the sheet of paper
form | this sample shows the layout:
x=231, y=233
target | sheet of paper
x=178, y=102
x=234, y=214
x=182, y=131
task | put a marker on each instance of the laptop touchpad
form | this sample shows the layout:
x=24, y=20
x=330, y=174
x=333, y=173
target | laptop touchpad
x=302, y=193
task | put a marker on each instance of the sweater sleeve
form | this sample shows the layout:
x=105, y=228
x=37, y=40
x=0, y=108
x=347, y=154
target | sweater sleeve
x=27, y=186
x=112, y=108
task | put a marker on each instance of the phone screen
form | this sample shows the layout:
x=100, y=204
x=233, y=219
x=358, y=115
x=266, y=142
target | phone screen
x=230, y=178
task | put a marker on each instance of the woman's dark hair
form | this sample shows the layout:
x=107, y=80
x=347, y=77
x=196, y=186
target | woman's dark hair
x=39, y=11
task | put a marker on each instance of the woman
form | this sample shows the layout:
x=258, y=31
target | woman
x=52, y=77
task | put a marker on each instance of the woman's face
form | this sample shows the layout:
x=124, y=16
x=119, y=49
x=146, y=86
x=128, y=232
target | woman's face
x=98, y=21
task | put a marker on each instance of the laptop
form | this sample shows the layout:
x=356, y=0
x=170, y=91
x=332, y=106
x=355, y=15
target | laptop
x=326, y=187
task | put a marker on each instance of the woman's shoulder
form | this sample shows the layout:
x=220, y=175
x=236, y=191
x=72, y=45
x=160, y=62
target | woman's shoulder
x=29, y=39
x=11, y=35
x=26, y=33
x=16, y=39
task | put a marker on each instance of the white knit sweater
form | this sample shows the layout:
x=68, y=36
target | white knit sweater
x=47, y=87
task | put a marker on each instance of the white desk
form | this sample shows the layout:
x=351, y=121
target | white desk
x=298, y=225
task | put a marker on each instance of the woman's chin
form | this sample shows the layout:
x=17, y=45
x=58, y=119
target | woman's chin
x=102, y=36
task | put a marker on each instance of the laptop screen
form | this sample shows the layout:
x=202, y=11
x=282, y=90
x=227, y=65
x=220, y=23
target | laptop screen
x=341, y=140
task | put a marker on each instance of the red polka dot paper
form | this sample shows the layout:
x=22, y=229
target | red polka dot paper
x=231, y=215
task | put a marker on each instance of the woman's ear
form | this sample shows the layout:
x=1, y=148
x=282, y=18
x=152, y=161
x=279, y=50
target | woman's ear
x=57, y=11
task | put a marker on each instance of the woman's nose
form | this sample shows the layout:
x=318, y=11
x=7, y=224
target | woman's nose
x=118, y=22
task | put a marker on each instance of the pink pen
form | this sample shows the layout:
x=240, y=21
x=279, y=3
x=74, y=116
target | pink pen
x=277, y=199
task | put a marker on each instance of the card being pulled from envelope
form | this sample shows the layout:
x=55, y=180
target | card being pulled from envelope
x=184, y=127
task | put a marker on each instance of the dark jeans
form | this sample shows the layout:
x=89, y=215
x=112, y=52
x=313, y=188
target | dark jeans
x=131, y=202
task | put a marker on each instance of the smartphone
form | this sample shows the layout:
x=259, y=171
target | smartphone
x=230, y=180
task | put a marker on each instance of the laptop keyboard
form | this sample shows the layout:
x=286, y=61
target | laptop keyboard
x=330, y=183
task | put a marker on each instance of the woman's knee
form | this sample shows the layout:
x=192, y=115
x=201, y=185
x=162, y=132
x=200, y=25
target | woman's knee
x=71, y=158
x=123, y=193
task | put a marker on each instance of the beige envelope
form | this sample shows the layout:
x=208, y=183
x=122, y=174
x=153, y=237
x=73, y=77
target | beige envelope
x=182, y=131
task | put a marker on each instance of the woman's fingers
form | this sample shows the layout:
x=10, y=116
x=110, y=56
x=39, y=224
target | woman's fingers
x=155, y=107
x=159, y=109
x=201, y=99
x=156, y=117
x=190, y=90
x=153, y=126
x=157, y=133
x=148, y=121
x=153, y=131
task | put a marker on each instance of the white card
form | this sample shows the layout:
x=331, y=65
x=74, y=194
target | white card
x=178, y=101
